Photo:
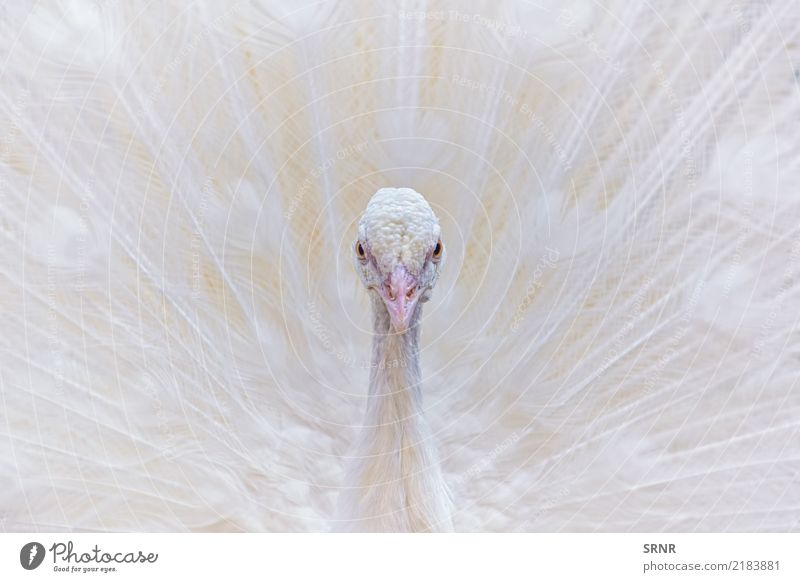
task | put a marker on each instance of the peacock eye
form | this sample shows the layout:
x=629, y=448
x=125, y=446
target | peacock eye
x=438, y=250
x=360, y=252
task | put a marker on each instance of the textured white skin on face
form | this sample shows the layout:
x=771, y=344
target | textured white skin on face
x=399, y=226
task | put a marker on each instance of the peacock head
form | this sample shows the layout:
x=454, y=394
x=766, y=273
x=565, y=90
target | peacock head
x=399, y=252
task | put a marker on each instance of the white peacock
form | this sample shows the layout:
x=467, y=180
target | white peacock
x=611, y=347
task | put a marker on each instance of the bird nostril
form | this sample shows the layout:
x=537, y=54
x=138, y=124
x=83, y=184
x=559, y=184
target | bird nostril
x=391, y=293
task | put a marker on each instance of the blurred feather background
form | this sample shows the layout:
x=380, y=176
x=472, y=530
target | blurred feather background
x=613, y=345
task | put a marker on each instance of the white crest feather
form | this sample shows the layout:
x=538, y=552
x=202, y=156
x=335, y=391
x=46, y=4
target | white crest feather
x=400, y=226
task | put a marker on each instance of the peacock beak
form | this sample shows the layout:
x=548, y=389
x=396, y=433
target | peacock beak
x=400, y=294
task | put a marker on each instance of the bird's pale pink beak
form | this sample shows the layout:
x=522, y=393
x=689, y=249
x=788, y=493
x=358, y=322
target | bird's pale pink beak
x=399, y=292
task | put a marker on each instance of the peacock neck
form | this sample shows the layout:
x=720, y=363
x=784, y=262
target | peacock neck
x=397, y=481
x=395, y=371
